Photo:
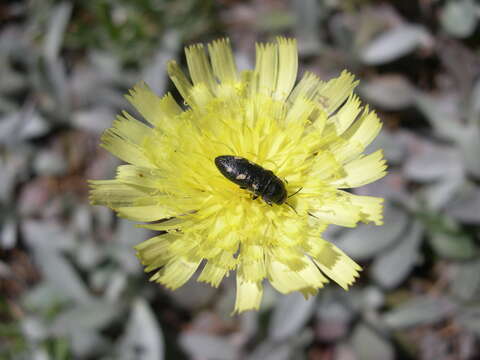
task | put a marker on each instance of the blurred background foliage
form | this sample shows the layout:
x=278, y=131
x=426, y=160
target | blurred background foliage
x=71, y=287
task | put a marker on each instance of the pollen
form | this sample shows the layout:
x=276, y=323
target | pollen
x=311, y=132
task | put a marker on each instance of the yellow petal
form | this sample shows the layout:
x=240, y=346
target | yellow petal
x=215, y=269
x=301, y=110
x=176, y=273
x=154, y=252
x=347, y=114
x=336, y=265
x=365, y=129
x=212, y=274
x=325, y=167
x=338, y=211
x=167, y=225
x=344, y=150
x=154, y=109
x=249, y=295
x=333, y=93
x=287, y=67
x=141, y=176
x=145, y=213
x=223, y=63
x=124, y=140
x=288, y=255
x=199, y=67
x=115, y=194
x=200, y=95
x=286, y=280
x=252, y=265
x=363, y=170
x=181, y=82
x=305, y=89
x=370, y=208
x=266, y=69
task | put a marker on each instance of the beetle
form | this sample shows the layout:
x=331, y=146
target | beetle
x=253, y=177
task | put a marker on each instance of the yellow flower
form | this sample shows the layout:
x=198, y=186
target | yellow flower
x=311, y=135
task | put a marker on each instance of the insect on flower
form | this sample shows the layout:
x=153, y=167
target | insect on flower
x=252, y=177
x=179, y=181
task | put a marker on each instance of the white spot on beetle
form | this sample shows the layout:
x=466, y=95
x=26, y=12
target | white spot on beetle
x=255, y=187
x=241, y=177
x=229, y=169
x=237, y=157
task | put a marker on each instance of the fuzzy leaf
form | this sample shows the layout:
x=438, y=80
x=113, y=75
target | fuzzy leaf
x=290, y=315
x=393, y=44
x=392, y=267
x=422, y=310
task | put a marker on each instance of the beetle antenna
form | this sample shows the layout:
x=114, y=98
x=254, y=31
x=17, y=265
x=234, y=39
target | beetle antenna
x=296, y=192
x=290, y=206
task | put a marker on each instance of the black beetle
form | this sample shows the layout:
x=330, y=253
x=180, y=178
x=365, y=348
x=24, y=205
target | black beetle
x=253, y=177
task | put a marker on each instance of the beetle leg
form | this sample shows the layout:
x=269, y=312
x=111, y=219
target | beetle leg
x=254, y=197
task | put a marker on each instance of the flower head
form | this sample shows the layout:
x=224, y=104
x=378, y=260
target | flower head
x=311, y=135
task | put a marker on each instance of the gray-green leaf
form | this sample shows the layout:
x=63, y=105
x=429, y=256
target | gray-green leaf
x=393, y=44
x=459, y=18
x=143, y=338
x=392, y=267
x=369, y=345
x=368, y=240
x=391, y=92
x=422, y=310
x=290, y=315
x=208, y=347
x=453, y=246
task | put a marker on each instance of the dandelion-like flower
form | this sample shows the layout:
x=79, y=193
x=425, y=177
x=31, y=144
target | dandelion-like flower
x=310, y=135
